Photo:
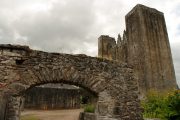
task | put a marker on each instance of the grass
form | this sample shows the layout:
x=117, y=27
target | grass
x=29, y=117
x=89, y=108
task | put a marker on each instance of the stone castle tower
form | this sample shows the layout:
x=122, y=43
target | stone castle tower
x=145, y=45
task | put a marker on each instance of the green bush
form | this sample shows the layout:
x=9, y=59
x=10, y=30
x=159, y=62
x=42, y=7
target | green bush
x=164, y=106
x=173, y=103
x=89, y=108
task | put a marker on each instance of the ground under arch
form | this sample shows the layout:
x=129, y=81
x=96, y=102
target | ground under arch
x=56, y=102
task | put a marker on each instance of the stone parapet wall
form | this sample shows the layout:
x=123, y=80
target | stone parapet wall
x=113, y=83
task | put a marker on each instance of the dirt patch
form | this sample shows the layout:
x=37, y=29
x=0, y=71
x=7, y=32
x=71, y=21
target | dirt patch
x=53, y=114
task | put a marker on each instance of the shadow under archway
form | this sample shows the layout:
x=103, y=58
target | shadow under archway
x=57, y=101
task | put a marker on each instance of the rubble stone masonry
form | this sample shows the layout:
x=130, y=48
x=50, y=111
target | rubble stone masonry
x=22, y=68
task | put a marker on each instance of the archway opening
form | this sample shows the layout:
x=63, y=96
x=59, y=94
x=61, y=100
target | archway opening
x=56, y=101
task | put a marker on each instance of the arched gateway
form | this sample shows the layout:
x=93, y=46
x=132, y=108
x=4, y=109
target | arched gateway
x=22, y=68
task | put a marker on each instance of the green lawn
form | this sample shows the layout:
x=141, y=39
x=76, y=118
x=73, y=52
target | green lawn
x=29, y=117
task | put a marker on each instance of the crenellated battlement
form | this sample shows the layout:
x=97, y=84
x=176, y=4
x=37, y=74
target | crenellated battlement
x=105, y=46
x=110, y=49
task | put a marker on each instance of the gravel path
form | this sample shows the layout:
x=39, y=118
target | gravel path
x=53, y=114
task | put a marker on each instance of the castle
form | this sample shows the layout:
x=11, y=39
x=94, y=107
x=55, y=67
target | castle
x=145, y=45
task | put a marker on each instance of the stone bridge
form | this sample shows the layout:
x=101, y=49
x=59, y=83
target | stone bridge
x=22, y=68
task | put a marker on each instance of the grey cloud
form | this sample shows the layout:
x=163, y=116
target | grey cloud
x=176, y=58
x=6, y=32
x=178, y=30
x=176, y=10
x=65, y=25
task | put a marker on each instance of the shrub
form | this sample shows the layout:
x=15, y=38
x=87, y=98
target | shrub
x=164, y=106
x=174, y=105
x=89, y=108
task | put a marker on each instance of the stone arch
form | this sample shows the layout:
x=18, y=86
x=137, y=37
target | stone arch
x=22, y=68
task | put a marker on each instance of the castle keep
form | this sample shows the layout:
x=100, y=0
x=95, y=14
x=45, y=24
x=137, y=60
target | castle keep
x=145, y=45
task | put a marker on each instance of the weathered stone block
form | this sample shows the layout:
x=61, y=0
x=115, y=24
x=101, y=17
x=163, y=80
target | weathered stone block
x=87, y=116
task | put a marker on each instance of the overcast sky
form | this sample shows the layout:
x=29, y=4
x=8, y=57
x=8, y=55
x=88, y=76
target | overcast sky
x=73, y=26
